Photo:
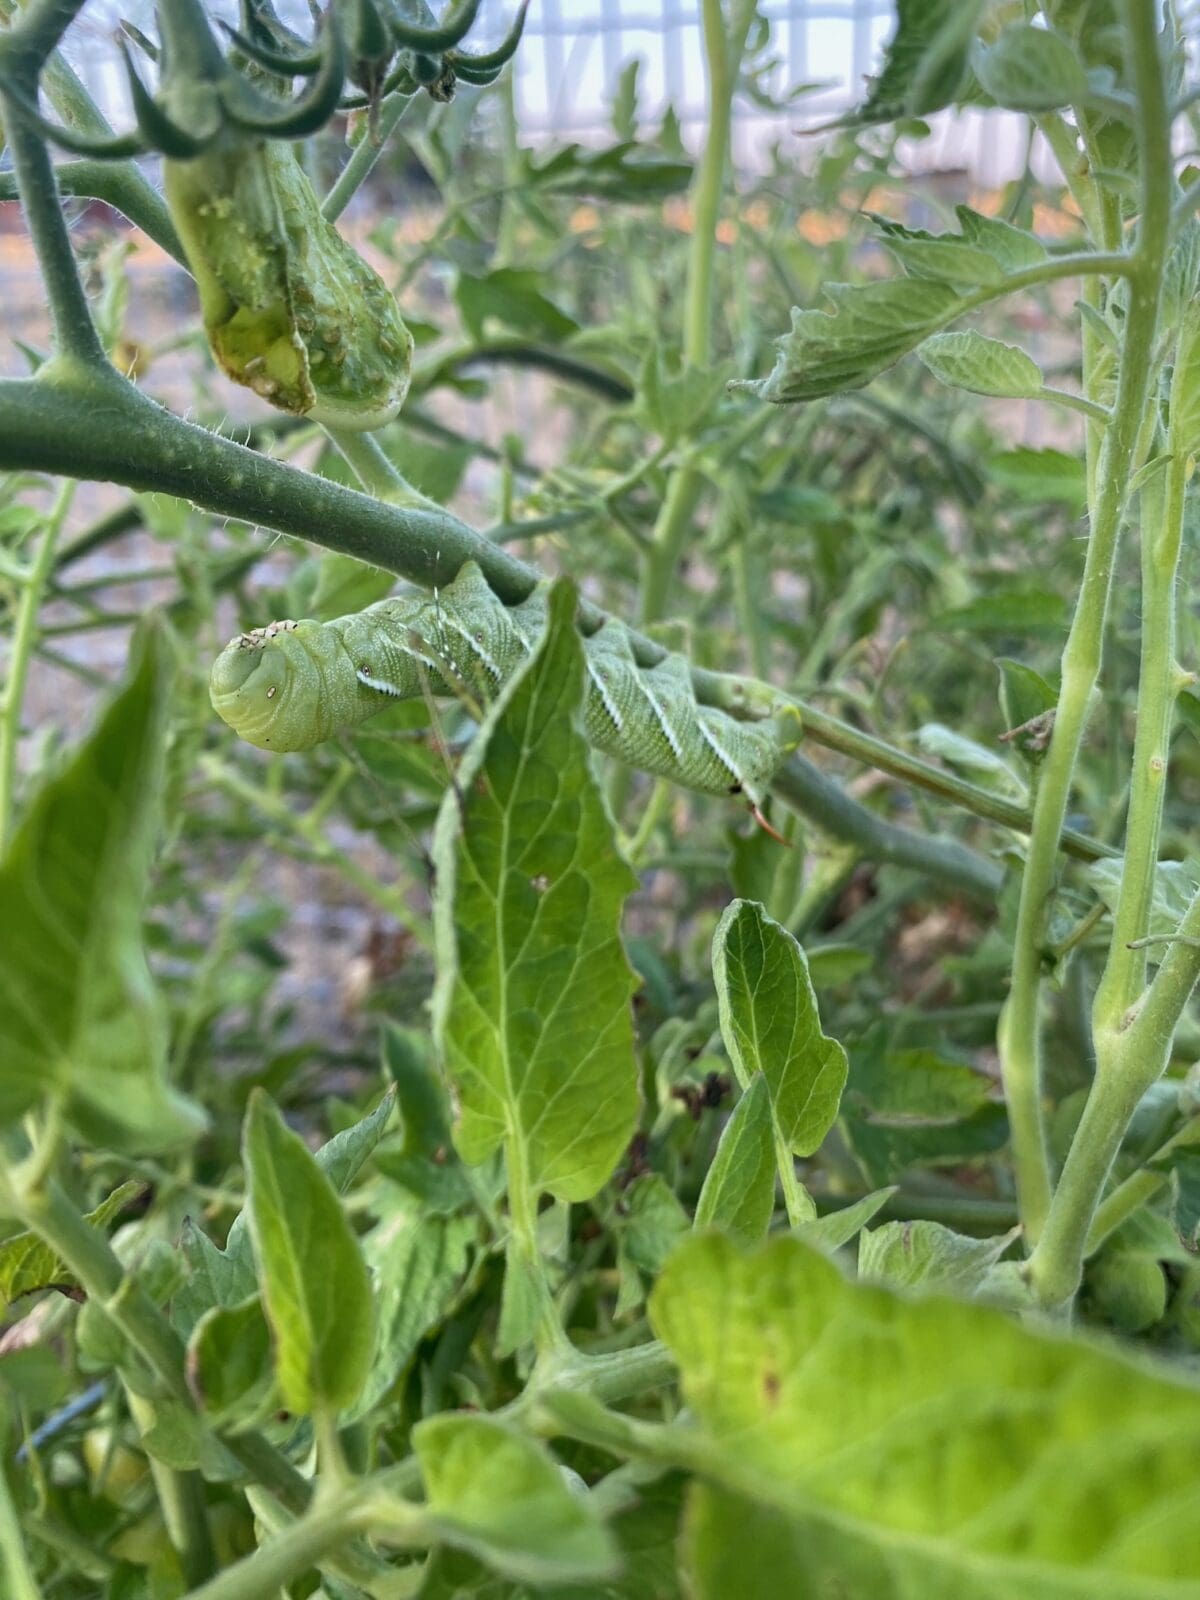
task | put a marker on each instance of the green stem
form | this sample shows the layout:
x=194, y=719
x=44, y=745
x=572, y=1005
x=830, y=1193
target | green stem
x=1124, y=974
x=366, y=153
x=120, y=186
x=724, y=44
x=24, y=644
x=19, y=1583
x=75, y=336
x=797, y=1201
x=834, y=734
x=515, y=352
x=95, y=425
x=183, y=1502
x=1020, y=1043
x=377, y=473
x=522, y=1217
x=293, y=1551
x=1121, y=1204
x=1019, y=1039
x=807, y=790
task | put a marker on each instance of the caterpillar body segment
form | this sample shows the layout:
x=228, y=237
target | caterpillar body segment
x=293, y=685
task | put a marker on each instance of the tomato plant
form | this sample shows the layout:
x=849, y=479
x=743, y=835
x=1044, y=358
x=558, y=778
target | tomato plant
x=753, y=1149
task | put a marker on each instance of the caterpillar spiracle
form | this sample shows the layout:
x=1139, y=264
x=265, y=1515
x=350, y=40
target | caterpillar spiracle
x=292, y=685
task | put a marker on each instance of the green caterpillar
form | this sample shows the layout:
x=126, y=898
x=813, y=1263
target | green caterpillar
x=292, y=685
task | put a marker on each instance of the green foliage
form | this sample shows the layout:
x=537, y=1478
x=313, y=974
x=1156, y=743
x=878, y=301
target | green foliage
x=739, y=1188
x=972, y=361
x=829, y=1413
x=316, y=1291
x=533, y=979
x=872, y=325
x=28, y=1264
x=499, y=1495
x=83, y=1025
x=770, y=1023
x=751, y=1102
x=926, y=59
x=1031, y=69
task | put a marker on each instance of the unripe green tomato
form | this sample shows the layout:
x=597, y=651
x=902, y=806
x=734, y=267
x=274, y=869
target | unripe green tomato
x=291, y=310
x=1129, y=1291
x=114, y=1471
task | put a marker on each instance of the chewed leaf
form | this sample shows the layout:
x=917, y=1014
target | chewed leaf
x=871, y=327
x=848, y=1440
x=532, y=1006
x=26, y=1264
x=925, y=61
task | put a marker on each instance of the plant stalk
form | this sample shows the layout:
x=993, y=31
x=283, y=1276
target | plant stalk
x=724, y=45
x=1019, y=1036
x=24, y=644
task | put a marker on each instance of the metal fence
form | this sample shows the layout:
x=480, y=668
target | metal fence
x=574, y=51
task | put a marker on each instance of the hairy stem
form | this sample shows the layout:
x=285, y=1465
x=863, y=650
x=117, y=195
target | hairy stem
x=1019, y=1039
x=1162, y=536
x=366, y=153
x=75, y=336
x=95, y=425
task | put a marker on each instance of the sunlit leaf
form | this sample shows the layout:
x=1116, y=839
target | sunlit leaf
x=532, y=1003
x=851, y=1441
x=314, y=1280
x=771, y=1025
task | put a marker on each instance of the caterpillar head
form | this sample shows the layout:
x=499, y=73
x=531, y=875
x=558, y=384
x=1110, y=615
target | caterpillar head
x=287, y=686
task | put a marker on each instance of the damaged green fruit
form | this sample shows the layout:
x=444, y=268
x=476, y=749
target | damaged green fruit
x=290, y=309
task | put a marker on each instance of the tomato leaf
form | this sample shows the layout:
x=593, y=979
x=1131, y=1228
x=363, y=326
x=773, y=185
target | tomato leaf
x=315, y=1285
x=532, y=1006
x=81, y=1019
